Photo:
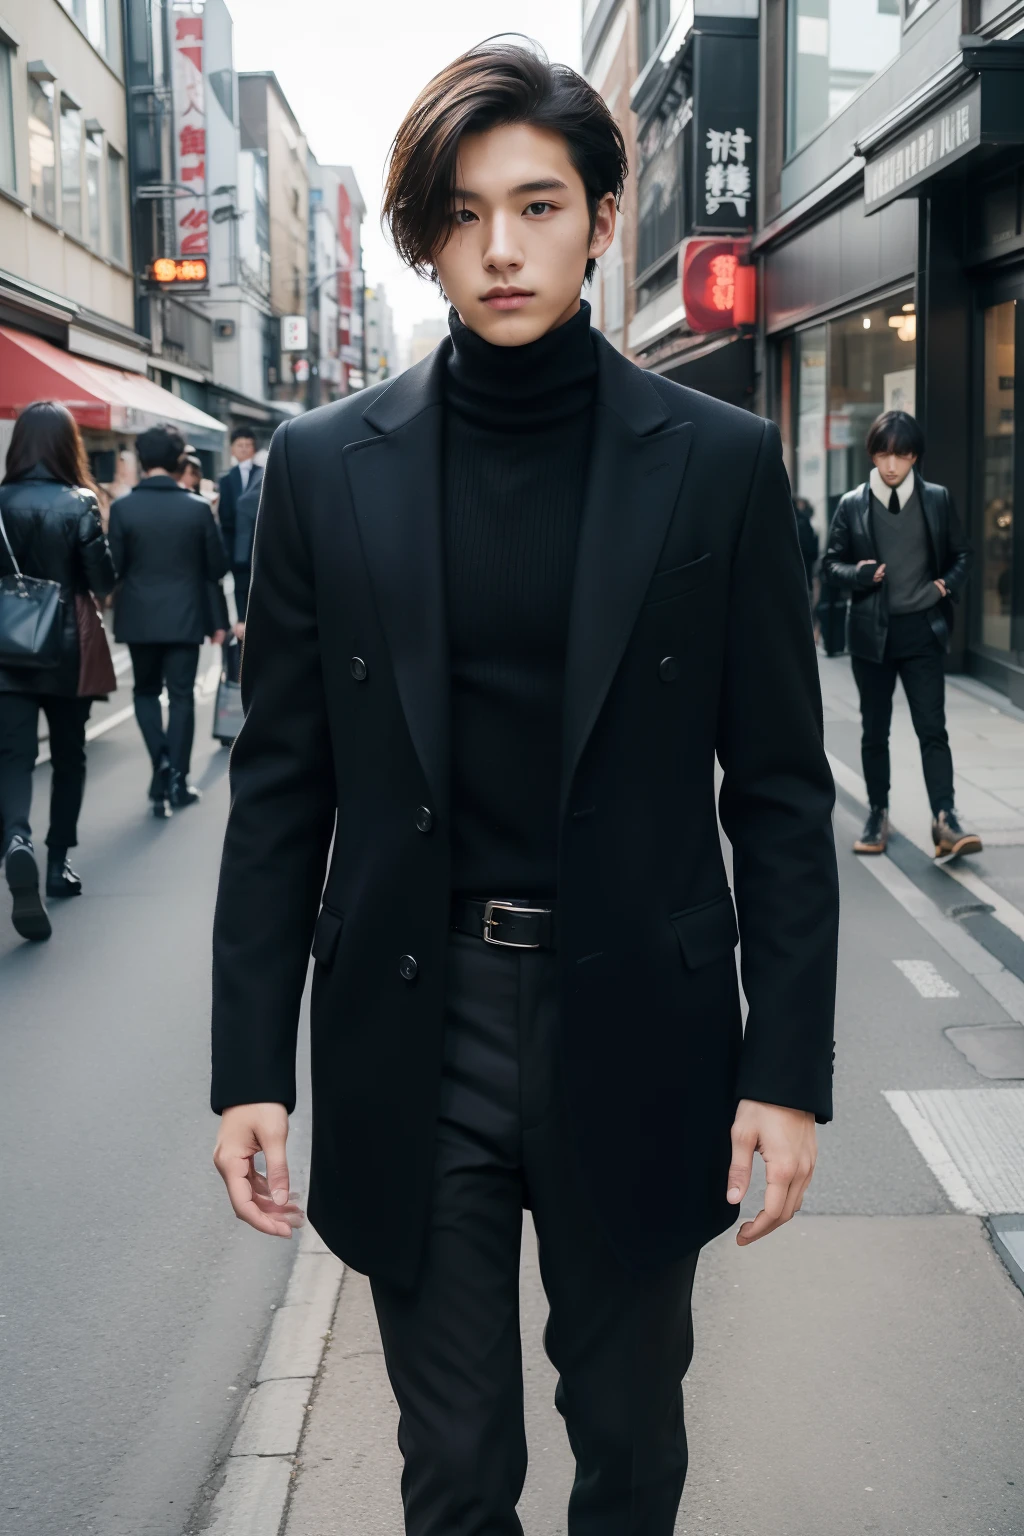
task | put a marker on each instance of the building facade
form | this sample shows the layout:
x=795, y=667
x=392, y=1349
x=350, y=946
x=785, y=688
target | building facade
x=69, y=322
x=891, y=255
x=270, y=128
x=611, y=42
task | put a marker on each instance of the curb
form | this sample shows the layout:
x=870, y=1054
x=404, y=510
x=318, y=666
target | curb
x=259, y=1467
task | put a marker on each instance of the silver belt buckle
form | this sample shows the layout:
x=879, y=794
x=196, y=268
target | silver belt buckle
x=490, y=921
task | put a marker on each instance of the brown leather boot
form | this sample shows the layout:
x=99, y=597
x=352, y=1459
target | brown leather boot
x=949, y=837
x=876, y=832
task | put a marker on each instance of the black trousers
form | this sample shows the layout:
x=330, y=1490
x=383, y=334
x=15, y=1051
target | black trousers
x=19, y=748
x=621, y=1340
x=914, y=654
x=176, y=666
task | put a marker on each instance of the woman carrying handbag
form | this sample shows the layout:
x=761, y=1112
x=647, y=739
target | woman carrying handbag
x=53, y=655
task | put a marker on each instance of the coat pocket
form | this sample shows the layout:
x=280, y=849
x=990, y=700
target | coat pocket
x=326, y=935
x=707, y=932
x=677, y=580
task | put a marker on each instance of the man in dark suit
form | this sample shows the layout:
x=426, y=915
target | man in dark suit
x=897, y=546
x=237, y=530
x=168, y=552
x=505, y=611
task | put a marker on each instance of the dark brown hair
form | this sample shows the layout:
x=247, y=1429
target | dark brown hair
x=494, y=84
x=46, y=435
x=895, y=432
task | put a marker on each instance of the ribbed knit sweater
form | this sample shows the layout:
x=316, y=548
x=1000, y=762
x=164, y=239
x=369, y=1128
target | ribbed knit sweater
x=517, y=441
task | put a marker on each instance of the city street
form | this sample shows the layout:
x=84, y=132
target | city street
x=862, y=1370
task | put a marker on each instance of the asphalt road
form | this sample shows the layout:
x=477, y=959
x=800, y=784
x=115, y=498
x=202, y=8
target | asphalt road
x=132, y=1305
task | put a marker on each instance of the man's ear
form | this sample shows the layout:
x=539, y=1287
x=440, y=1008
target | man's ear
x=604, y=226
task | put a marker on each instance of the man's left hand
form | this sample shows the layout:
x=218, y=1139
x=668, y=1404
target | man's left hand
x=788, y=1142
x=944, y=590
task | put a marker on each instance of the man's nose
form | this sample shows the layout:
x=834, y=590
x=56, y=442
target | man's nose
x=504, y=250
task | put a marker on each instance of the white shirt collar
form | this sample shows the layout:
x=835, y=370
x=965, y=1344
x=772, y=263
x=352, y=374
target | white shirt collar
x=879, y=489
x=245, y=470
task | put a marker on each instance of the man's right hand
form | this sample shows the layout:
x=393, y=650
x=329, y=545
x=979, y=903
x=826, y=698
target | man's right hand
x=879, y=573
x=266, y=1203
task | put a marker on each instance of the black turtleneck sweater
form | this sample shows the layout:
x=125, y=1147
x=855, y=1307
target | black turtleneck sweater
x=517, y=440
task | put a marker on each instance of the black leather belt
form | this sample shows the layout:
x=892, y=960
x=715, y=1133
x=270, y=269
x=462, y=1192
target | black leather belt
x=512, y=924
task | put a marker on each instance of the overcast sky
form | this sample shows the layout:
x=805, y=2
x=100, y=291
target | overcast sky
x=351, y=68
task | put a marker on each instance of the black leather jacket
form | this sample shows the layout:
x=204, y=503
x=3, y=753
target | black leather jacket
x=851, y=539
x=55, y=533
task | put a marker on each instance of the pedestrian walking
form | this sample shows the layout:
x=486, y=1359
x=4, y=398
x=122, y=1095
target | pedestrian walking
x=218, y=620
x=807, y=535
x=168, y=553
x=237, y=530
x=897, y=546
x=51, y=530
x=505, y=609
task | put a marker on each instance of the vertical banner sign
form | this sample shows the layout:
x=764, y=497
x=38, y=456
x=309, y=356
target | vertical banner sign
x=191, y=215
x=724, y=133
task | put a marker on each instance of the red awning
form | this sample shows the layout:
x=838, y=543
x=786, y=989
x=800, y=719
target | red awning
x=106, y=399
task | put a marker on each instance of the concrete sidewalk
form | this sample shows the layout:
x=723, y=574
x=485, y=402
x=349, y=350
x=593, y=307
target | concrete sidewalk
x=986, y=734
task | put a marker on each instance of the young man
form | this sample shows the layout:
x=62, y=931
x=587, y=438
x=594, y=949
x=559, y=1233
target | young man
x=505, y=610
x=168, y=554
x=243, y=476
x=897, y=544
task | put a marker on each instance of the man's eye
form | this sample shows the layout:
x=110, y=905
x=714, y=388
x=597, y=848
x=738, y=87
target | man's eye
x=538, y=208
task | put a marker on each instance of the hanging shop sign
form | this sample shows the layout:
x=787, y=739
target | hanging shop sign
x=189, y=102
x=719, y=286
x=724, y=139
x=294, y=333
x=936, y=143
x=179, y=272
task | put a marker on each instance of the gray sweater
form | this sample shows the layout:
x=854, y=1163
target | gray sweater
x=902, y=543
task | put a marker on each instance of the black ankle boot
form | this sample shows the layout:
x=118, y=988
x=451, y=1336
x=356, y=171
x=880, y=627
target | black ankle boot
x=182, y=792
x=28, y=913
x=61, y=879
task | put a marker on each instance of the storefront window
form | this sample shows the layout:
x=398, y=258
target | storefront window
x=997, y=476
x=835, y=46
x=809, y=380
x=871, y=369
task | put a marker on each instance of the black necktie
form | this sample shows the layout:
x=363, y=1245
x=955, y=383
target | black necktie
x=894, y=503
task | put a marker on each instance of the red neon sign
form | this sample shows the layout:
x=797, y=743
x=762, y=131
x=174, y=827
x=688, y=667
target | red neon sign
x=719, y=286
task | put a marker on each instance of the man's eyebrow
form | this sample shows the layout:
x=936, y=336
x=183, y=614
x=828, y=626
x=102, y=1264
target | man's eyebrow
x=550, y=184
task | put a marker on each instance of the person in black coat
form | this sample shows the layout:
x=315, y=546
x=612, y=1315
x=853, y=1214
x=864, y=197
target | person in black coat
x=896, y=545
x=505, y=611
x=168, y=551
x=808, y=538
x=51, y=521
x=238, y=519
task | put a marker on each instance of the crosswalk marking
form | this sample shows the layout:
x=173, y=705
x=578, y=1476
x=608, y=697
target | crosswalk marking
x=923, y=975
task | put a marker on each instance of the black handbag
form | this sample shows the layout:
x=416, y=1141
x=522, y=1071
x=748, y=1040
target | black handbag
x=31, y=617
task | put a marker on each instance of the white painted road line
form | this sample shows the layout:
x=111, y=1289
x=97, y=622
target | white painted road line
x=923, y=975
x=973, y=1141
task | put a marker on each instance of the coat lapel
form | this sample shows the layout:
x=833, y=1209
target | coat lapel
x=395, y=479
x=636, y=471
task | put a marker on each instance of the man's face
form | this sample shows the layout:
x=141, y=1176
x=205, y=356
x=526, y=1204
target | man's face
x=244, y=448
x=894, y=467
x=521, y=239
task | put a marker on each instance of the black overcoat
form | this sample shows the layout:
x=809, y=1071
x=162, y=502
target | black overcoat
x=689, y=635
x=168, y=551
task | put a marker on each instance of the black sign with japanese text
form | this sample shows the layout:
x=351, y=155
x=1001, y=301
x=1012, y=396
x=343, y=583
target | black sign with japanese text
x=724, y=131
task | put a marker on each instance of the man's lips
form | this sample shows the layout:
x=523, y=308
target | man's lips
x=507, y=298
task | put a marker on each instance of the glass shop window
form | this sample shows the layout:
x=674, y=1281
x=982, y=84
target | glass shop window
x=70, y=166
x=997, y=476
x=93, y=179
x=834, y=48
x=7, y=171
x=871, y=369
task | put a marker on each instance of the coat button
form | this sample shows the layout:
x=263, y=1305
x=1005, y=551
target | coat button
x=358, y=667
x=424, y=818
x=407, y=968
x=668, y=669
